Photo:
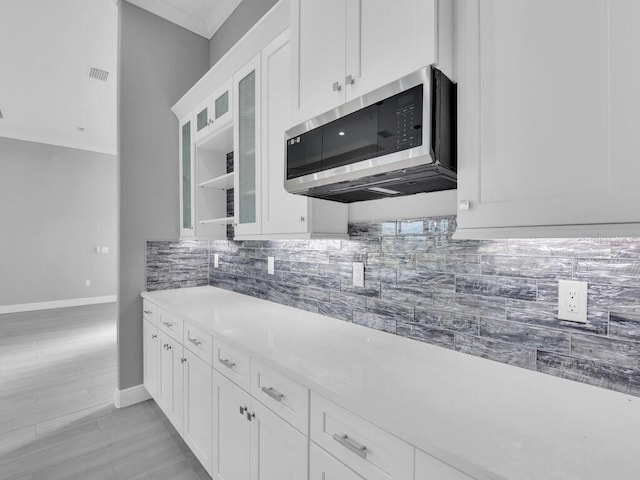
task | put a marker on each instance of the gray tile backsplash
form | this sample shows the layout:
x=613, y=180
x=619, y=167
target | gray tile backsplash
x=493, y=299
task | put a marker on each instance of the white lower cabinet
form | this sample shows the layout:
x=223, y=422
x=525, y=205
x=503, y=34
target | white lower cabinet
x=430, y=468
x=251, y=442
x=151, y=358
x=323, y=466
x=278, y=451
x=197, y=407
x=171, y=380
x=244, y=420
x=363, y=447
x=231, y=430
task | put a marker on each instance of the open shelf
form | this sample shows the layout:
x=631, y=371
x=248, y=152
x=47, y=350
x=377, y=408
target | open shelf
x=217, y=221
x=223, y=182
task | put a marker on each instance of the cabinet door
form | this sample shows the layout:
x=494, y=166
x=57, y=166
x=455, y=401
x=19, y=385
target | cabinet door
x=203, y=119
x=278, y=451
x=186, y=180
x=171, y=383
x=323, y=466
x=151, y=363
x=282, y=212
x=222, y=104
x=387, y=40
x=197, y=408
x=543, y=114
x=429, y=468
x=231, y=430
x=318, y=33
x=246, y=149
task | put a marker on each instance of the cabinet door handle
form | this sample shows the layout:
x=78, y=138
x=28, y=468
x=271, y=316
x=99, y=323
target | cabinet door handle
x=183, y=360
x=195, y=341
x=357, y=448
x=336, y=87
x=165, y=346
x=250, y=416
x=154, y=336
x=227, y=363
x=148, y=312
x=243, y=409
x=273, y=393
x=168, y=324
x=349, y=80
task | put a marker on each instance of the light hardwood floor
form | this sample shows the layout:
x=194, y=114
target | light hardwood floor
x=57, y=419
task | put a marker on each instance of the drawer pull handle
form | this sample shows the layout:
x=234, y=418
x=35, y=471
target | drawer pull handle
x=273, y=393
x=195, y=341
x=344, y=440
x=148, y=312
x=168, y=324
x=227, y=363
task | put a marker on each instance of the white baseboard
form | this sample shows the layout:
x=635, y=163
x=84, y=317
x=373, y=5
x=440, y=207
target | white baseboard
x=71, y=302
x=131, y=396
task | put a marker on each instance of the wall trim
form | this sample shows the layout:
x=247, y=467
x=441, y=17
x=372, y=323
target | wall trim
x=131, y=396
x=71, y=302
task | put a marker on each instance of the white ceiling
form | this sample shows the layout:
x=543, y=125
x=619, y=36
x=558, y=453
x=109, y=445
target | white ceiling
x=46, y=50
x=203, y=17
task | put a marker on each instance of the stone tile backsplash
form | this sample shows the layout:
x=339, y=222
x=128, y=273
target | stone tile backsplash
x=492, y=298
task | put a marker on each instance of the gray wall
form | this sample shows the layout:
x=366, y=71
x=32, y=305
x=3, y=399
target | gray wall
x=239, y=22
x=56, y=204
x=159, y=62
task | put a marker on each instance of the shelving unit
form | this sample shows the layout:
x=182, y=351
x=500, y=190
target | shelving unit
x=223, y=182
x=213, y=181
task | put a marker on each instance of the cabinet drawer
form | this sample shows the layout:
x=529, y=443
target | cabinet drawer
x=285, y=397
x=149, y=311
x=170, y=324
x=323, y=466
x=363, y=447
x=232, y=363
x=198, y=341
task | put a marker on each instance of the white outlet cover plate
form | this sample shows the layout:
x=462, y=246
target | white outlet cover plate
x=358, y=274
x=565, y=288
x=270, y=265
x=216, y=260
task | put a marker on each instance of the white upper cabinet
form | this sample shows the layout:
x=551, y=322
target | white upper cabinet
x=549, y=95
x=283, y=213
x=247, y=151
x=343, y=49
x=215, y=112
x=187, y=203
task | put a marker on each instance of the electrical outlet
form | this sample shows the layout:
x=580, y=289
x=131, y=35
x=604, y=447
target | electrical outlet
x=270, y=265
x=87, y=283
x=358, y=274
x=105, y=249
x=98, y=249
x=216, y=260
x=572, y=301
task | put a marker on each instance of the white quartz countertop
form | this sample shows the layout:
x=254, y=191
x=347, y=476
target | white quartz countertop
x=490, y=420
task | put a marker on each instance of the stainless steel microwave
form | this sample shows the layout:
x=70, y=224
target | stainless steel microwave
x=397, y=140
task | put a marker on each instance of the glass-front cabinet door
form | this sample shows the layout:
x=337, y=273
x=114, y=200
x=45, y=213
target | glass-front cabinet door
x=186, y=179
x=246, y=154
x=215, y=112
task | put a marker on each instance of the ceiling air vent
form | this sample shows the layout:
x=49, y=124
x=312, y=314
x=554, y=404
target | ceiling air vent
x=98, y=74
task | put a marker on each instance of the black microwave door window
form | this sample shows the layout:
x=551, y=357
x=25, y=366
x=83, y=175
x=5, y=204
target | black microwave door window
x=400, y=126
x=304, y=154
x=350, y=139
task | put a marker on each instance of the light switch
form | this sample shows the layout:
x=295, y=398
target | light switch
x=358, y=274
x=270, y=265
x=216, y=260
